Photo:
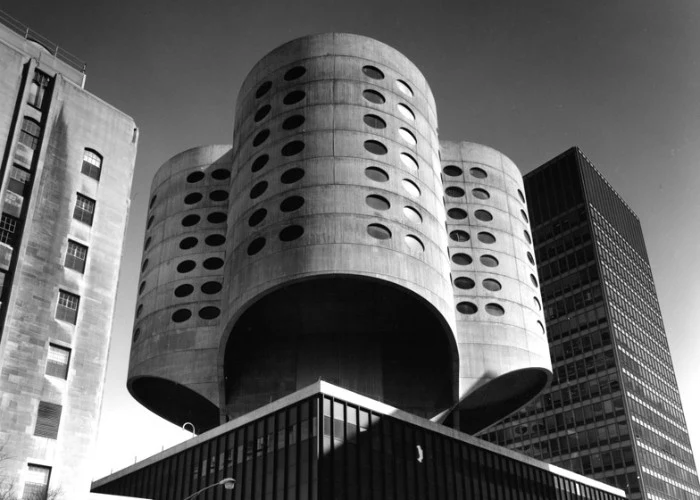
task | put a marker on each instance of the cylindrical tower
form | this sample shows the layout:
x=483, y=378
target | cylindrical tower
x=332, y=258
x=337, y=266
x=172, y=370
x=503, y=348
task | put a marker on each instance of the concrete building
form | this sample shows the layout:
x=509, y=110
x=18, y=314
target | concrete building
x=66, y=170
x=613, y=411
x=337, y=239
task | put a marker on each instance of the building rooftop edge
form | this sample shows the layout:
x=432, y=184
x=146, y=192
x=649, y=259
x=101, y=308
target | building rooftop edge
x=329, y=389
x=22, y=30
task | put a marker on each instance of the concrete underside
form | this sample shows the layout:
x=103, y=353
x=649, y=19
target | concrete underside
x=499, y=398
x=367, y=335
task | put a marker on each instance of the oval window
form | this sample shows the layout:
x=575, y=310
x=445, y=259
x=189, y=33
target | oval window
x=452, y=171
x=373, y=96
x=376, y=174
x=377, y=202
x=378, y=231
x=467, y=308
x=461, y=259
x=294, y=97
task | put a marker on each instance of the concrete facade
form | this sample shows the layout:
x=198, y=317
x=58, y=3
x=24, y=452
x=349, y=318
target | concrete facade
x=337, y=256
x=53, y=358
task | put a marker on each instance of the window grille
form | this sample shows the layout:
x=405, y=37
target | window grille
x=8, y=229
x=29, y=135
x=76, y=255
x=67, y=309
x=84, y=209
x=48, y=420
x=57, y=362
x=37, y=483
x=92, y=164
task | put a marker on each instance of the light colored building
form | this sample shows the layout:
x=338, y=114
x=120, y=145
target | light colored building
x=67, y=161
x=338, y=239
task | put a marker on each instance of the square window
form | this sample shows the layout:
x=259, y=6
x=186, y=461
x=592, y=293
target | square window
x=47, y=420
x=37, y=483
x=67, y=309
x=8, y=229
x=92, y=164
x=57, y=362
x=76, y=255
x=84, y=209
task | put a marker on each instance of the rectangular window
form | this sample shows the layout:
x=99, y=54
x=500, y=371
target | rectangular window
x=37, y=483
x=92, y=164
x=67, y=309
x=37, y=89
x=8, y=229
x=57, y=362
x=19, y=180
x=29, y=135
x=48, y=420
x=84, y=209
x=76, y=255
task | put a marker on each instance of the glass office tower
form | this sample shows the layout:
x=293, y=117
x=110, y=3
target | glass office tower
x=613, y=411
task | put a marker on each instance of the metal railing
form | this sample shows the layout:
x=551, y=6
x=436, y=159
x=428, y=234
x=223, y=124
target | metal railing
x=29, y=34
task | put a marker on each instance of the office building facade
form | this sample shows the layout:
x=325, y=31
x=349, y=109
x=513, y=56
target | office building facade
x=67, y=165
x=613, y=411
x=338, y=239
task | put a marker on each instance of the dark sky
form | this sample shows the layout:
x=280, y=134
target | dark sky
x=620, y=79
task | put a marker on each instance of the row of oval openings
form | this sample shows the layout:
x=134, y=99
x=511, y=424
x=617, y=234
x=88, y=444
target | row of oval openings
x=194, y=219
x=482, y=215
x=377, y=122
x=293, y=203
x=188, y=265
x=298, y=71
x=210, y=264
x=208, y=313
x=476, y=172
x=374, y=121
x=218, y=195
x=471, y=308
x=208, y=288
x=295, y=174
x=462, y=236
x=290, y=75
x=219, y=174
x=378, y=175
x=461, y=214
x=289, y=233
x=465, y=283
x=377, y=202
x=381, y=232
x=191, y=199
x=295, y=121
x=377, y=231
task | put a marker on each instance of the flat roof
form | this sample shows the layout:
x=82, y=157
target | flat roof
x=328, y=389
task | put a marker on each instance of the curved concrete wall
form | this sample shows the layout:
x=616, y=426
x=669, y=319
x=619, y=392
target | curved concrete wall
x=312, y=117
x=172, y=369
x=503, y=348
x=338, y=264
